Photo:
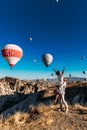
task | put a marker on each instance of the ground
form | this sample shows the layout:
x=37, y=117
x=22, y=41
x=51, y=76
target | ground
x=43, y=114
x=47, y=118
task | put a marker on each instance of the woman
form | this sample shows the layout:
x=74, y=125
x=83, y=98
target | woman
x=61, y=89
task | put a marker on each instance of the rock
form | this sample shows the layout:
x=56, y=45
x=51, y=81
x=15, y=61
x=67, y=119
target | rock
x=86, y=104
x=82, y=101
x=76, y=100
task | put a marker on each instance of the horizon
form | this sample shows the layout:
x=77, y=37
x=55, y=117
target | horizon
x=48, y=78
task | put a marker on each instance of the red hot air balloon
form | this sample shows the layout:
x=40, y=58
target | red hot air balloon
x=12, y=54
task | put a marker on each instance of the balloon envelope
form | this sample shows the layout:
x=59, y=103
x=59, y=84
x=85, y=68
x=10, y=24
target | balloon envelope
x=57, y=0
x=12, y=54
x=34, y=60
x=84, y=72
x=82, y=57
x=47, y=59
x=52, y=74
x=30, y=39
x=44, y=79
x=69, y=75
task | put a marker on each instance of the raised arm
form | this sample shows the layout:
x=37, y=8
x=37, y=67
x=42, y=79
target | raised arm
x=63, y=71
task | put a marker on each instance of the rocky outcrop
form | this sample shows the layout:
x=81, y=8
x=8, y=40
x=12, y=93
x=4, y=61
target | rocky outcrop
x=77, y=95
x=16, y=94
x=13, y=91
x=10, y=85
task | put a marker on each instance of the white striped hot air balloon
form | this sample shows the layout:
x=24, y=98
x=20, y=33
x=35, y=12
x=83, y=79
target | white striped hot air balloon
x=47, y=59
x=12, y=54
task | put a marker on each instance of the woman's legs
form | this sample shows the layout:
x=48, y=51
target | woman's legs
x=60, y=101
x=65, y=103
x=56, y=100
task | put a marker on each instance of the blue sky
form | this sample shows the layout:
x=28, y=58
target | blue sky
x=56, y=28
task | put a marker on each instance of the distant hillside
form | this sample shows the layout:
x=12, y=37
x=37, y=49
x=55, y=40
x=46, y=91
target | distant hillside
x=70, y=79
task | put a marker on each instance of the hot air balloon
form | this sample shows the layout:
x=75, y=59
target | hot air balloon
x=52, y=74
x=12, y=54
x=44, y=79
x=70, y=75
x=47, y=59
x=83, y=57
x=84, y=72
x=57, y=0
x=34, y=60
x=30, y=39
